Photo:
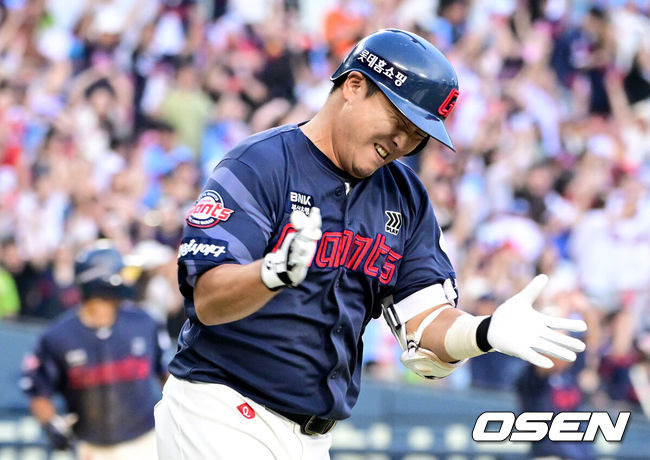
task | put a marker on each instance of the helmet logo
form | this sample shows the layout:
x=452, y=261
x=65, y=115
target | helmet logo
x=380, y=66
x=448, y=103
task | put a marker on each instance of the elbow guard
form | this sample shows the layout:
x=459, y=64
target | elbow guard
x=426, y=364
x=420, y=360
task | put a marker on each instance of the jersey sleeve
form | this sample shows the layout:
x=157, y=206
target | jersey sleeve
x=426, y=277
x=42, y=373
x=232, y=220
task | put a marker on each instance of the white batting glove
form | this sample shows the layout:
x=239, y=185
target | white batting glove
x=517, y=329
x=288, y=265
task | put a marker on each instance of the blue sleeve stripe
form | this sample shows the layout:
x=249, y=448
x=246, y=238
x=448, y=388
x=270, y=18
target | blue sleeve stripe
x=236, y=248
x=192, y=269
x=245, y=200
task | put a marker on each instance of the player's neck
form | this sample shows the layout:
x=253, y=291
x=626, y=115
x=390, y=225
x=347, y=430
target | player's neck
x=97, y=313
x=319, y=131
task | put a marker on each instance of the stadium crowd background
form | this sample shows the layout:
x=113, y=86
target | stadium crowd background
x=112, y=113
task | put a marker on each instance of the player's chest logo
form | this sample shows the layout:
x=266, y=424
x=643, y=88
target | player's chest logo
x=298, y=201
x=76, y=357
x=138, y=346
x=393, y=222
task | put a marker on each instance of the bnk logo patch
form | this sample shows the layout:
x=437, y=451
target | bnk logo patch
x=208, y=211
x=299, y=202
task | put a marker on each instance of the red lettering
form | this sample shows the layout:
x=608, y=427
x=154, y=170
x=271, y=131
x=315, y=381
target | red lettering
x=379, y=249
x=361, y=246
x=224, y=213
x=344, y=247
x=206, y=208
x=126, y=370
x=288, y=228
x=388, y=269
x=325, y=258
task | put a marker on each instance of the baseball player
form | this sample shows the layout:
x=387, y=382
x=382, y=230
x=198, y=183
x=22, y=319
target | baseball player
x=105, y=359
x=301, y=236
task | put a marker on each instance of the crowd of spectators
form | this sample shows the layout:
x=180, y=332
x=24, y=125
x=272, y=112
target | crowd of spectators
x=112, y=113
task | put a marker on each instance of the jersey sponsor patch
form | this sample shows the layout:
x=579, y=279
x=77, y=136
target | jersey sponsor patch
x=246, y=410
x=196, y=248
x=76, y=357
x=208, y=210
x=138, y=346
x=393, y=222
x=382, y=67
x=298, y=201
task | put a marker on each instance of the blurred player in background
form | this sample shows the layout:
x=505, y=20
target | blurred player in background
x=554, y=390
x=301, y=236
x=106, y=360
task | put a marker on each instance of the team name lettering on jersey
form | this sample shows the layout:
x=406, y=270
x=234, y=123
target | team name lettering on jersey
x=126, y=370
x=354, y=252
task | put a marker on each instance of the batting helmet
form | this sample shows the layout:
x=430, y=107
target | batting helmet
x=100, y=272
x=416, y=77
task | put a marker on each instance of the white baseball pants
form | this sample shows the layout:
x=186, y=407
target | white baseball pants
x=196, y=421
x=141, y=448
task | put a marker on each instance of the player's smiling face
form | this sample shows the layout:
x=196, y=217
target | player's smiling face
x=370, y=130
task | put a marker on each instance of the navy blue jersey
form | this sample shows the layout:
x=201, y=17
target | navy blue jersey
x=301, y=352
x=109, y=377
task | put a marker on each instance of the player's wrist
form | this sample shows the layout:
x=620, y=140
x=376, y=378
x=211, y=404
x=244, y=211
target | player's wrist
x=467, y=337
x=482, y=334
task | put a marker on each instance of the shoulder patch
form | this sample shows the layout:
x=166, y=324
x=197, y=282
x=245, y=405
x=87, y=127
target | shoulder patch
x=208, y=211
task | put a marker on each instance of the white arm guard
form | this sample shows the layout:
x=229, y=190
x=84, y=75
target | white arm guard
x=423, y=362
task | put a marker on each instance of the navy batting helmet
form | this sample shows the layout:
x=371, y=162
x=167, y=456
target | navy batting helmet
x=416, y=77
x=100, y=272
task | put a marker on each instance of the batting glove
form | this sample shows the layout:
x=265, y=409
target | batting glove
x=517, y=329
x=59, y=431
x=288, y=265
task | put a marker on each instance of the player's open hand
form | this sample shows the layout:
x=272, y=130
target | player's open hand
x=519, y=330
x=289, y=264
